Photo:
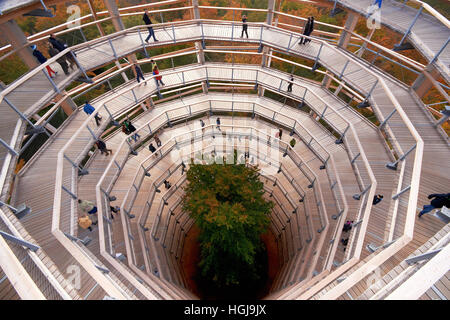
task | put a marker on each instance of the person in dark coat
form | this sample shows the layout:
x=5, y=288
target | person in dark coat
x=42, y=59
x=291, y=83
x=440, y=200
x=218, y=123
x=102, y=147
x=152, y=148
x=203, y=125
x=148, y=22
x=129, y=128
x=279, y=134
x=60, y=45
x=139, y=74
x=57, y=43
x=61, y=60
x=347, y=226
x=305, y=31
x=244, y=26
x=310, y=29
x=377, y=199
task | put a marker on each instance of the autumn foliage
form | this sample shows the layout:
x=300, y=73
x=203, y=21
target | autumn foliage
x=226, y=201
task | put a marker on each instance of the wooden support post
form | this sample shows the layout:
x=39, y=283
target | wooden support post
x=15, y=36
x=423, y=83
x=270, y=8
x=94, y=15
x=350, y=24
x=113, y=10
x=195, y=9
x=68, y=106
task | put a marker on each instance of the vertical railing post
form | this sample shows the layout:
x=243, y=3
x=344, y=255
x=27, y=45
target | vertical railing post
x=113, y=50
x=8, y=147
x=382, y=124
x=440, y=51
x=51, y=81
x=315, y=66
x=142, y=42
x=409, y=28
x=79, y=66
x=114, y=122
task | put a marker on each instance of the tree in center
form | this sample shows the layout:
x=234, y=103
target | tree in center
x=226, y=201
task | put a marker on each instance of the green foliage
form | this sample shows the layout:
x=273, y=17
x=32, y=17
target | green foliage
x=227, y=203
x=289, y=6
x=293, y=142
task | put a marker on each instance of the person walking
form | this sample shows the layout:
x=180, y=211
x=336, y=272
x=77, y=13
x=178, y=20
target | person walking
x=167, y=184
x=89, y=109
x=347, y=226
x=157, y=140
x=85, y=222
x=279, y=134
x=291, y=83
x=305, y=31
x=152, y=148
x=203, y=125
x=183, y=167
x=60, y=45
x=153, y=64
x=158, y=78
x=310, y=30
x=101, y=145
x=218, y=123
x=377, y=199
x=131, y=129
x=439, y=200
x=115, y=209
x=61, y=60
x=87, y=206
x=244, y=26
x=42, y=59
x=148, y=22
x=139, y=74
x=125, y=130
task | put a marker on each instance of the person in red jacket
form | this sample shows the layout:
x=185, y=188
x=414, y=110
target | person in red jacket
x=158, y=78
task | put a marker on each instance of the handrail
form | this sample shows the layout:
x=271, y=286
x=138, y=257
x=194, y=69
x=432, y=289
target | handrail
x=25, y=287
x=433, y=12
x=37, y=260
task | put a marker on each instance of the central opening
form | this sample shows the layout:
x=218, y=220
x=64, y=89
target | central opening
x=230, y=252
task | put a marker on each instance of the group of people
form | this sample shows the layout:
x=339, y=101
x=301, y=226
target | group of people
x=307, y=30
x=158, y=142
x=155, y=71
x=90, y=209
x=128, y=128
x=54, y=47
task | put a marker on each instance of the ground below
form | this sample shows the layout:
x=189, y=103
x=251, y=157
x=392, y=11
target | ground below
x=191, y=257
